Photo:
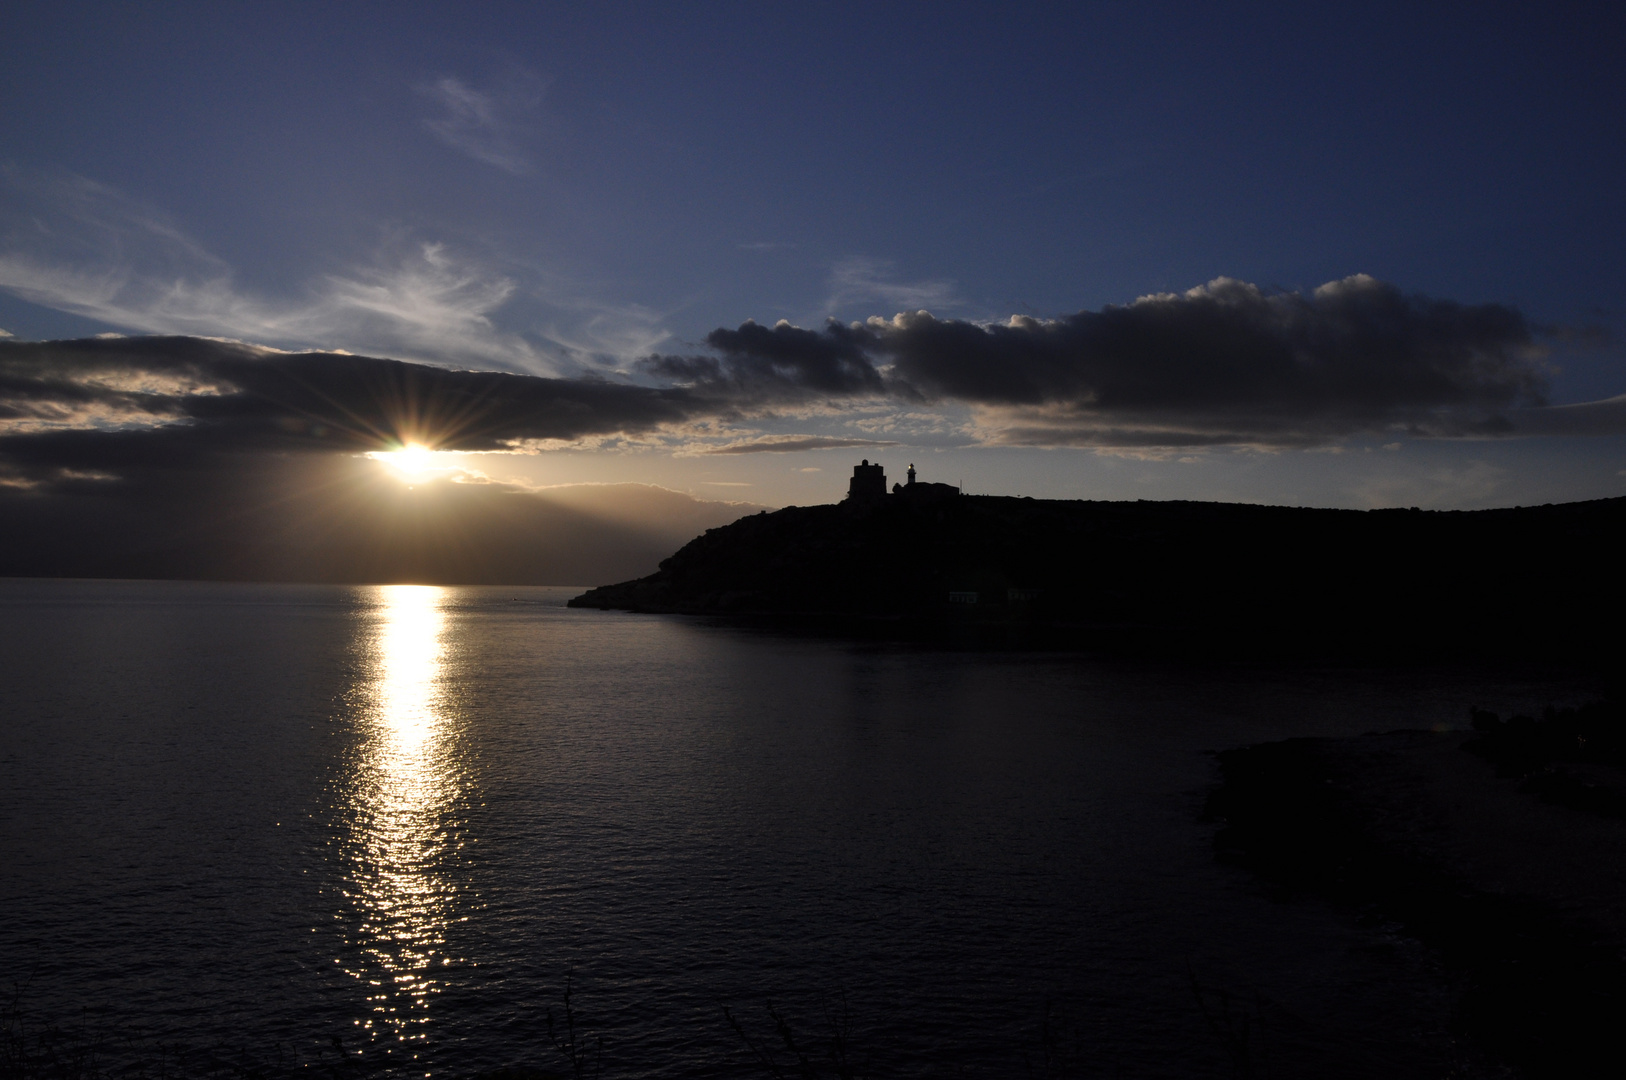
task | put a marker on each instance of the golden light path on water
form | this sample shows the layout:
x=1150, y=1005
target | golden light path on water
x=402, y=796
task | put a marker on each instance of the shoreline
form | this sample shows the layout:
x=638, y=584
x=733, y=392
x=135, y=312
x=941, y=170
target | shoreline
x=1523, y=900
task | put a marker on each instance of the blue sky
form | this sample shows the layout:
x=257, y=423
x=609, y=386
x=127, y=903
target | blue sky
x=567, y=190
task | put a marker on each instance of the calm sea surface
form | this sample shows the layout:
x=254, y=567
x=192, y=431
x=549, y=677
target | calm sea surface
x=251, y=819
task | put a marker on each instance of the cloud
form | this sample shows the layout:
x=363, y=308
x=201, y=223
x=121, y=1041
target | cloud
x=1229, y=363
x=76, y=245
x=782, y=363
x=425, y=301
x=863, y=280
x=1225, y=363
x=791, y=444
x=79, y=246
x=606, y=334
x=486, y=125
x=124, y=405
x=1606, y=417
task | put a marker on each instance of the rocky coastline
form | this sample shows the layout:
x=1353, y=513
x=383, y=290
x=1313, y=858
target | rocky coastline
x=1521, y=893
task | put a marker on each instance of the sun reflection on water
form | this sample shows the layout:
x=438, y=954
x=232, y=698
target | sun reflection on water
x=403, y=827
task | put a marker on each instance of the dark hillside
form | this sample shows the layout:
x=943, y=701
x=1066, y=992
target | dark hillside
x=1538, y=578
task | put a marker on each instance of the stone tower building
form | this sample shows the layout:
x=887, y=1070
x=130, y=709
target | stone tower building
x=868, y=482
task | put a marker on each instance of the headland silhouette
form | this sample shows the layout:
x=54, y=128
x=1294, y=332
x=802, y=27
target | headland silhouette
x=1483, y=582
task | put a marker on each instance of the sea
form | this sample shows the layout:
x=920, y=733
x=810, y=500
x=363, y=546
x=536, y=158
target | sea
x=410, y=831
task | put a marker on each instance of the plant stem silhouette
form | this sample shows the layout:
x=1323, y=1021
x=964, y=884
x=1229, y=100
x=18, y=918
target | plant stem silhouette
x=569, y=1044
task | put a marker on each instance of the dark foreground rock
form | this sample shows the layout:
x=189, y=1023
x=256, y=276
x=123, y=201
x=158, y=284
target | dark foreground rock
x=1524, y=900
x=1538, y=579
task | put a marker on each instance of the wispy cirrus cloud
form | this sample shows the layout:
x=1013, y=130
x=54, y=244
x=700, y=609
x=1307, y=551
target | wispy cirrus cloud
x=861, y=280
x=1606, y=417
x=605, y=334
x=75, y=245
x=489, y=125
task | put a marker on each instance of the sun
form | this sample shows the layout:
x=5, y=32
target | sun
x=411, y=460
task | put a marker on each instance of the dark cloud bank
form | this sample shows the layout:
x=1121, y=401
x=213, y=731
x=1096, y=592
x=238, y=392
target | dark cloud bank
x=201, y=458
x=1224, y=363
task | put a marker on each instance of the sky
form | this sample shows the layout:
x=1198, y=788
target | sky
x=1299, y=254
